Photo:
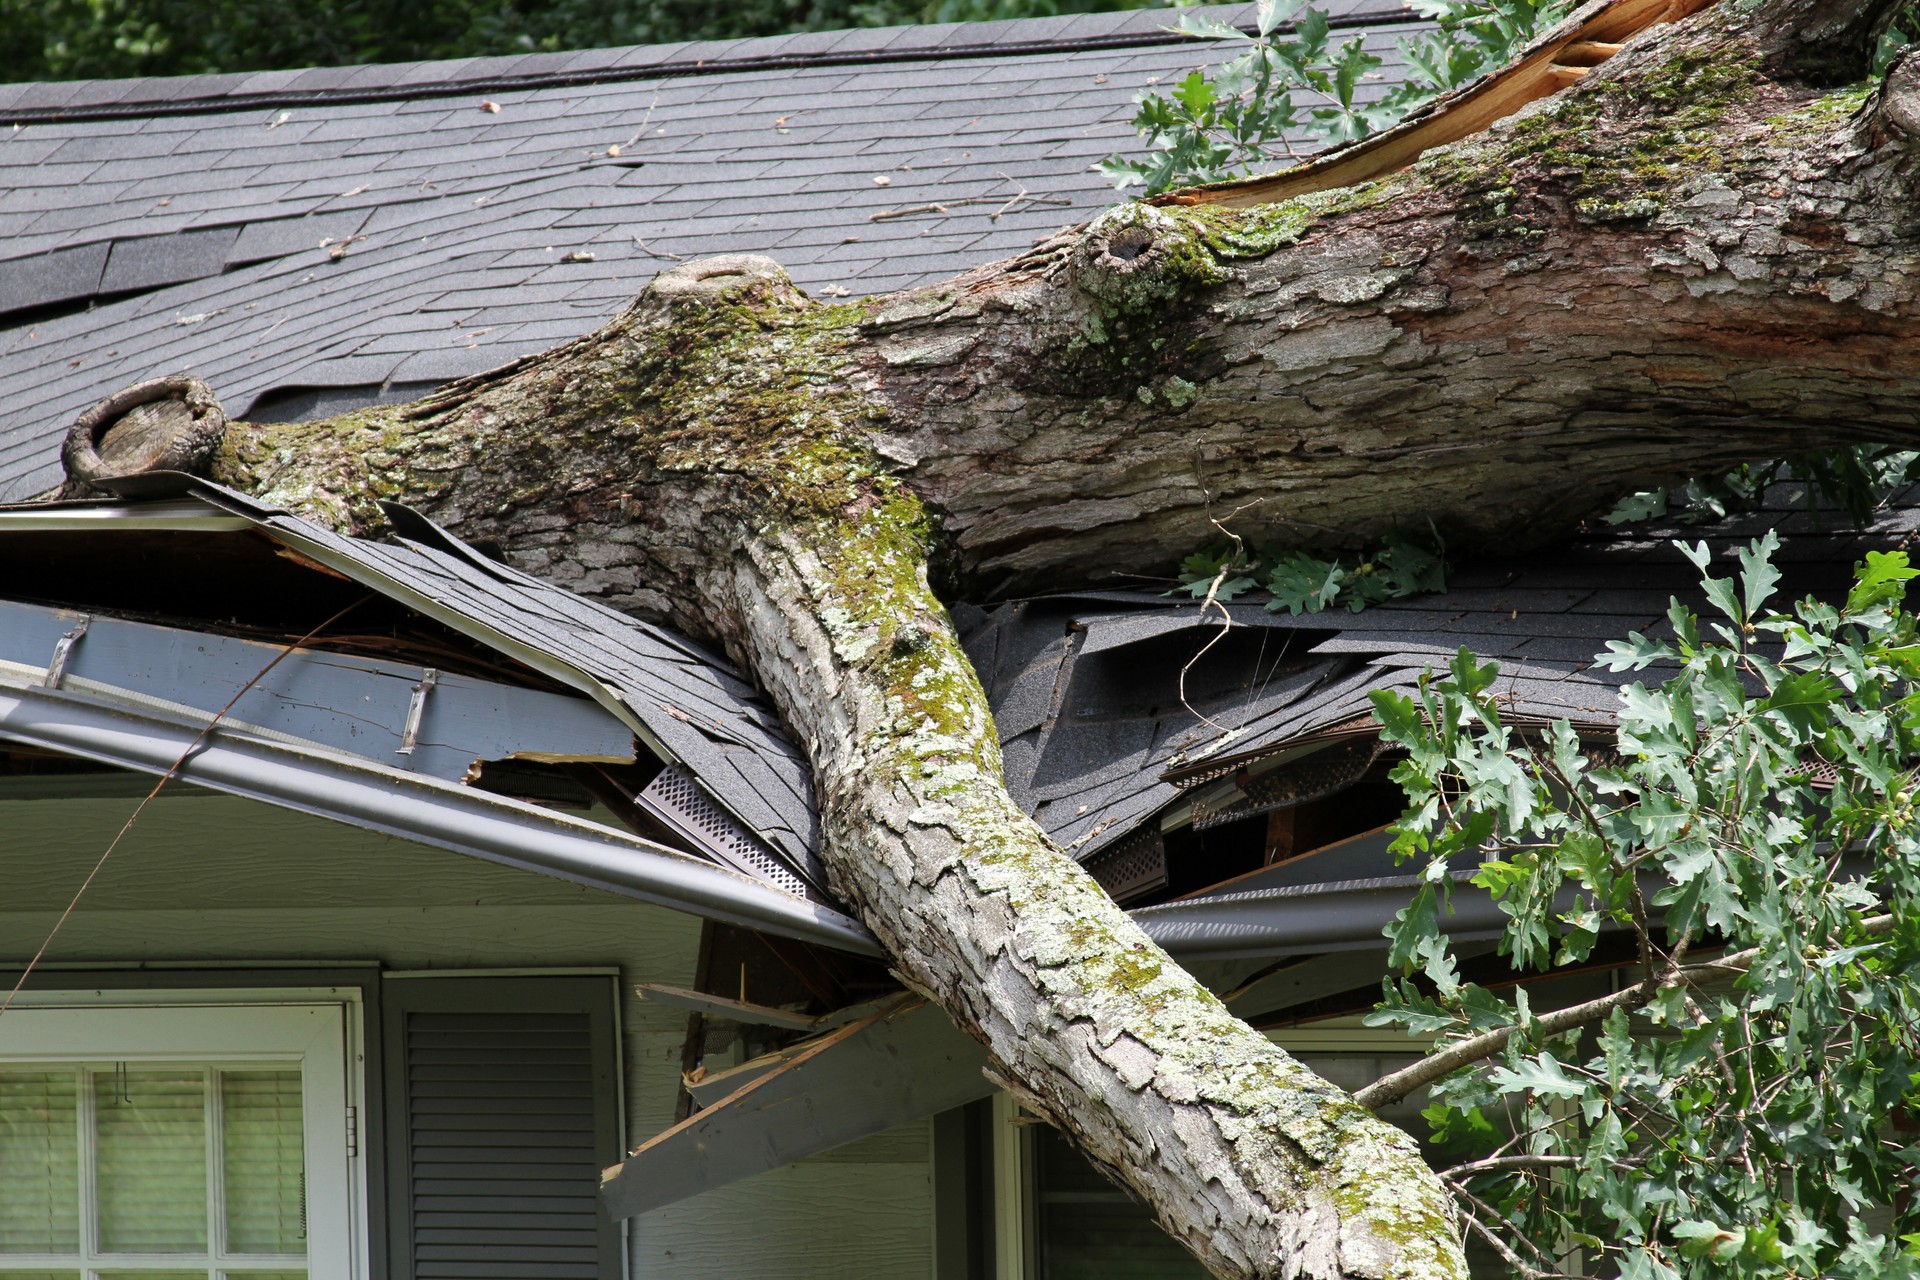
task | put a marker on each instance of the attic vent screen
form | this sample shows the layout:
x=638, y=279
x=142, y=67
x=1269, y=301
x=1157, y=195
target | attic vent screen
x=1314, y=778
x=1131, y=867
x=675, y=799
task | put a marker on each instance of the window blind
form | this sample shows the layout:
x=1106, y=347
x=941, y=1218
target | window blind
x=99, y=1162
x=39, y=1162
x=264, y=1164
x=151, y=1147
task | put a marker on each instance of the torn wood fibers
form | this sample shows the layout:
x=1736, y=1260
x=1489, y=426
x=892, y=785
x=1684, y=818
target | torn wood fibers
x=1588, y=37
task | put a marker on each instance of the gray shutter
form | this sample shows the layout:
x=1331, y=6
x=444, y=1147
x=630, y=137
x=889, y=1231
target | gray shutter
x=504, y=1119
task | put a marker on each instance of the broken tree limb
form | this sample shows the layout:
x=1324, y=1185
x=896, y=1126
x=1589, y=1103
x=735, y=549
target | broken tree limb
x=1390, y=1089
x=1681, y=261
x=1584, y=39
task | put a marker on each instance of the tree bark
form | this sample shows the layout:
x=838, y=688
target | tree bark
x=1698, y=255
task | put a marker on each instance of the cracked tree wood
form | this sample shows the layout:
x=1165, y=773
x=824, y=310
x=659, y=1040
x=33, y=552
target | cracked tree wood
x=1701, y=252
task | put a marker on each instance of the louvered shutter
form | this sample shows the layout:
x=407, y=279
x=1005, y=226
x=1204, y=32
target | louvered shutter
x=501, y=1094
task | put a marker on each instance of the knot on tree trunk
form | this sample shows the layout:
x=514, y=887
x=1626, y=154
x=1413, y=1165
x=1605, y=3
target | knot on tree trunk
x=725, y=277
x=144, y=438
x=1135, y=257
x=1900, y=99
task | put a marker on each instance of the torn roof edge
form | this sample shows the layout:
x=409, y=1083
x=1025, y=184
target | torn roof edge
x=424, y=810
x=205, y=505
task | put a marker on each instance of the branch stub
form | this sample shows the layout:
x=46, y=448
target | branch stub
x=168, y=425
x=1900, y=97
x=718, y=275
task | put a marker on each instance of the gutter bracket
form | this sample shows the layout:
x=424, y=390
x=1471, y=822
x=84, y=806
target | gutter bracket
x=416, y=711
x=62, y=650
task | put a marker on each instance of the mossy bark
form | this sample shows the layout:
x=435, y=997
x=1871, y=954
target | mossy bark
x=1690, y=259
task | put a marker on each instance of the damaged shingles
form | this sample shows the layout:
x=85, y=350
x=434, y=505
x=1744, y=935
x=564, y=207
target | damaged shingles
x=732, y=745
x=1540, y=633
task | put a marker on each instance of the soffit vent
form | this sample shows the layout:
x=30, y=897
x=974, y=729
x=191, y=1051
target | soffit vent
x=674, y=799
x=1133, y=866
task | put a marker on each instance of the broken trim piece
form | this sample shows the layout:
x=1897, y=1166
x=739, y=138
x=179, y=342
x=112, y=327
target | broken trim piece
x=423, y=810
x=848, y=1084
x=721, y=1007
x=63, y=650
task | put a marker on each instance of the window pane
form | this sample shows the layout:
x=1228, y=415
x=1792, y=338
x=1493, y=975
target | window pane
x=1090, y=1230
x=39, y=1162
x=152, y=1146
x=266, y=1170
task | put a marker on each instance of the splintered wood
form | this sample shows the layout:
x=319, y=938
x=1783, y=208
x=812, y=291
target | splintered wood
x=1588, y=37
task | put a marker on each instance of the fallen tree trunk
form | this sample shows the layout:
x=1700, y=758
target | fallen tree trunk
x=1700, y=254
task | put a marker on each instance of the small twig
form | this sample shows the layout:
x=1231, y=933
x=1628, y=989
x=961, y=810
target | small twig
x=1498, y=1245
x=1389, y=1089
x=1508, y=1164
x=947, y=206
x=907, y=212
x=172, y=769
x=1019, y=195
x=650, y=251
x=644, y=122
x=1642, y=931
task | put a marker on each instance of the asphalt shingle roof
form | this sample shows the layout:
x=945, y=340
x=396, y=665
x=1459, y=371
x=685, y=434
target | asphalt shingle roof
x=154, y=226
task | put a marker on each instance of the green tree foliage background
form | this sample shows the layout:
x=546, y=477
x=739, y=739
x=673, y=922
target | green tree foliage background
x=85, y=39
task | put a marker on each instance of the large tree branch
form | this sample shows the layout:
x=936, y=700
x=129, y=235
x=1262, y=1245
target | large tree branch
x=1674, y=266
x=1679, y=263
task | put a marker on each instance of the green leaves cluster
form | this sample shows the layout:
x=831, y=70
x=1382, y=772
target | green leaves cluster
x=1296, y=84
x=1746, y=1120
x=1303, y=583
x=1856, y=480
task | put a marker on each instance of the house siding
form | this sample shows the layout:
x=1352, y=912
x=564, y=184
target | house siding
x=214, y=880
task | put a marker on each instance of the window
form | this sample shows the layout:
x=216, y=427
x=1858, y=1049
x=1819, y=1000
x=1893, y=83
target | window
x=205, y=1142
x=1057, y=1218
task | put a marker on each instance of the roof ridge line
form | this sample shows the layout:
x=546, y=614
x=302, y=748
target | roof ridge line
x=411, y=90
